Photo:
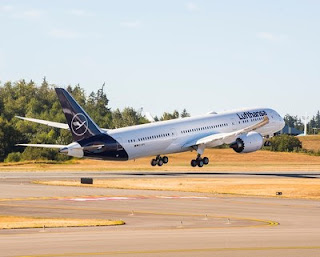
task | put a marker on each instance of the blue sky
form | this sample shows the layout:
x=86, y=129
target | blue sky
x=166, y=55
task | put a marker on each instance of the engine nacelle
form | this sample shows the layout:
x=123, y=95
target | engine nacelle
x=248, y=143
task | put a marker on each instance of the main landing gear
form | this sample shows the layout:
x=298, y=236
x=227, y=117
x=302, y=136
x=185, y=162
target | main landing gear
x=159, y=160
x=200, y=162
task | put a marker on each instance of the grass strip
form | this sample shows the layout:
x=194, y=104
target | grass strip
x=16, y=222
x=304, y=188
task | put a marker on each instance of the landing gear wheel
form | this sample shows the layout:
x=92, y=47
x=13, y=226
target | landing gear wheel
x=160, y=162
x=205, y=160
x=193, y=163
x=153, y=162
x=200, y=163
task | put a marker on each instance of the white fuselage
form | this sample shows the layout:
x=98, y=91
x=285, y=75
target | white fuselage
x=171, y=136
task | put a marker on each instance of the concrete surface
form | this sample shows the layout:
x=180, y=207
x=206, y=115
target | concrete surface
x=158, y=223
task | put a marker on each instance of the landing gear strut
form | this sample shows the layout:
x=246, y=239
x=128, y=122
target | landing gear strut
x=159, y=160
x=200, y=162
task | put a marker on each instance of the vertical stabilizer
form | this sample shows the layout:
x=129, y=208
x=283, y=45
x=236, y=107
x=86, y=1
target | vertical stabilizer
x=80, y=123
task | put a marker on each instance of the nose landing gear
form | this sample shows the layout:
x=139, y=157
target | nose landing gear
x=159, y=161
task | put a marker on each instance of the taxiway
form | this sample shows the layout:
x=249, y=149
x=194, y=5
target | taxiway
x=158, y=223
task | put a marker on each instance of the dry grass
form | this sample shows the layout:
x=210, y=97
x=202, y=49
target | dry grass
x=220, y=160
x=291, y=187
x=311, y=142
x=13, y=222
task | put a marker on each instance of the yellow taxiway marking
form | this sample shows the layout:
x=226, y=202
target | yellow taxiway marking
x=180, y=251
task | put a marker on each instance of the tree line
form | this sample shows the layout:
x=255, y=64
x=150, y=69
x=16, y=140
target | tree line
x=26, y=99
x=313, y=124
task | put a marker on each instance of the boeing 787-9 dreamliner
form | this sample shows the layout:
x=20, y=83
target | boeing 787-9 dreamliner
x=243, y=130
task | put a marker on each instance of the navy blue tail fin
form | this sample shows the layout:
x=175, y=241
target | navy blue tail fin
x=80, y=124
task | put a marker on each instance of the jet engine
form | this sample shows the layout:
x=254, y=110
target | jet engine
x=248, y=143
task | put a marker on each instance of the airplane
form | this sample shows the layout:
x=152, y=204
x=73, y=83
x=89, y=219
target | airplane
x=244, y=130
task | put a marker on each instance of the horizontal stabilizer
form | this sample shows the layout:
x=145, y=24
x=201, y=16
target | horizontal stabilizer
x=85, y=148
x=52, y=123
x=46, y=122
x=43, y=145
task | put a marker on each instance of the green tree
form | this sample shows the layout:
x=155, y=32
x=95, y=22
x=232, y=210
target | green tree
x=170, y=116
x=117, y=119
x=293, y=121
x=97, y=108
x=185, y=114
x=128, y=117
x=78, y=93
x=9, y=137
x=13, y=157
x=285, y=143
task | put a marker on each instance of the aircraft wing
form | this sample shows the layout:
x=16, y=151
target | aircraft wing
x=225, y=138
x=51, y=123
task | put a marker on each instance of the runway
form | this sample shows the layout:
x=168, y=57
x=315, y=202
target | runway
x=158, y=223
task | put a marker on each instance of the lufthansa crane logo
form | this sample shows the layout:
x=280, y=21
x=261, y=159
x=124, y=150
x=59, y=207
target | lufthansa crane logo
x=79, y=124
